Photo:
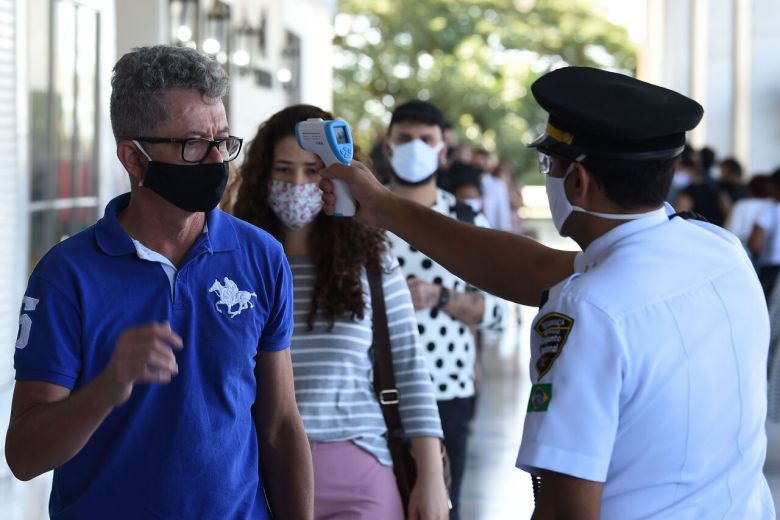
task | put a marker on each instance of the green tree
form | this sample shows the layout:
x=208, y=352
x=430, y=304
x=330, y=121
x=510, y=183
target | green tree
x=474, y=59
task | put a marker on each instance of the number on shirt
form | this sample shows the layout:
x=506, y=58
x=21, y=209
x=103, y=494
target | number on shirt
x=25, y=322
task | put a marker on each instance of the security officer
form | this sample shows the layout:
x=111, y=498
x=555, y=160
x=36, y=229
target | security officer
x=648, y=362
x=649, y=352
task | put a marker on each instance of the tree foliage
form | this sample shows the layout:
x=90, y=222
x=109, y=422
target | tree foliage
x=474, y=59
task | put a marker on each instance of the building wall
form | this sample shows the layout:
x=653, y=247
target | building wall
x=723, y=53
x=12, y=237
x=251, y=104
x=765, y=86
x=145, y=22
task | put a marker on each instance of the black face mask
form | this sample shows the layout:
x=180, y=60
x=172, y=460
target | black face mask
x=191, y=187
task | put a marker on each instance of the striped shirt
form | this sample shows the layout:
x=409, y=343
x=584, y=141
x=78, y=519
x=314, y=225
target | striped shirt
x=332, y=369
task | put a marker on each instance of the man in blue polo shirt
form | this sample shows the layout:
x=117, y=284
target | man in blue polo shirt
x=152, y=363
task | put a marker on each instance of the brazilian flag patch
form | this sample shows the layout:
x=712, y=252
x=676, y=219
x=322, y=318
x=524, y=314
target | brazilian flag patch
x=540, y=397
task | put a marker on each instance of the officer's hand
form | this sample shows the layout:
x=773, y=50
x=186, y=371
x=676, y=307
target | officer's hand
x=368, y=192
x=424, y=295
x=142, y=354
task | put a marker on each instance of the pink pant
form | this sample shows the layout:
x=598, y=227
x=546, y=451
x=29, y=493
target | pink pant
x=350, y=484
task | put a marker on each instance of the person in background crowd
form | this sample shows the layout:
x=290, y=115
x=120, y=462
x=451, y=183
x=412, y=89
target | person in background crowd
x=764, y=240
x=745, y=212
x=505, y=172
x=446, y=306
x=480, y=159
x=730, y=182
x=465, y=184
x=332, y=361
x=495, y=194
x=707, y=160
x=682, y=174
x=698, y=195
x=379, y=162
x=153, y=370
x=635, y=384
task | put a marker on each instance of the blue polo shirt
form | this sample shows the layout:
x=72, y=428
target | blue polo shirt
x=187, y=449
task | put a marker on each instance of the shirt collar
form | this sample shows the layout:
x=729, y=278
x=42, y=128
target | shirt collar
x=219, y=234
x=109, y=234
x=599, y=248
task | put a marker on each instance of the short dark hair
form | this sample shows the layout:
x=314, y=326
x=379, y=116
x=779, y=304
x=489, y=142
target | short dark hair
x=462, y=174
x=633, y=184
x=688, y=158
x=732, y=165
x=776, y=177
x=760, y=186
x=707, y=157
x=418, y=112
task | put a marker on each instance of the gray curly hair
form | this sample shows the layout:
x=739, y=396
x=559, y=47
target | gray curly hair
x=141, y=78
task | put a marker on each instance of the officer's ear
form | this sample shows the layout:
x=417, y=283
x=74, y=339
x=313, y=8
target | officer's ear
x=584, y=185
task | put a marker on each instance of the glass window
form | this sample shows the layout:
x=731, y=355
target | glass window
x=63, y=66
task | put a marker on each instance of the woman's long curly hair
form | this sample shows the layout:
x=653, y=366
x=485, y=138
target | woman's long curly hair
x=339, y=247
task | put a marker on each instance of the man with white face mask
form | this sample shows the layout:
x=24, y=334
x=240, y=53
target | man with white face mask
x=649, y=351
x=447, y=307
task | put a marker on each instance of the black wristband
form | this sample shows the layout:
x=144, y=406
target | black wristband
x=444, y=297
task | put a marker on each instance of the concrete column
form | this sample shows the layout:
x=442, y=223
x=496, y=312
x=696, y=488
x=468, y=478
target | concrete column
x=677, y=45
x=717, y=57
x=741, y=108
x=698, y=69
x=762, y=151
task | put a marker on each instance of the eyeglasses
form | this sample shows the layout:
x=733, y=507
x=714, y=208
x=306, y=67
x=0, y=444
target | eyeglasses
x=195, y=149
x=545, y=163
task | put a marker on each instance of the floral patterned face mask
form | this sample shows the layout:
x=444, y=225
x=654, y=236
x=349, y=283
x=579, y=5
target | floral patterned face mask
x=295, y=204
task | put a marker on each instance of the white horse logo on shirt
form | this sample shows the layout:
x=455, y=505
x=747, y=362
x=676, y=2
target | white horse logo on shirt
x=230, y=296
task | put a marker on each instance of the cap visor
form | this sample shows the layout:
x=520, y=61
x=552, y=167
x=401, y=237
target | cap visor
x=543, y=141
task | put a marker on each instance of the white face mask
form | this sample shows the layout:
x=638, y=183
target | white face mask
x=415, y=162
x=680, y=180
x=561, y=208
x=295, y=204
x=476, y=204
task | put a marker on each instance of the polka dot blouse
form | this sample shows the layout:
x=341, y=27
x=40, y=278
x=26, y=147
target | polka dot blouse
x=447, y=342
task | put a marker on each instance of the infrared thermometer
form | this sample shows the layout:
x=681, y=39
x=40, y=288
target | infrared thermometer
x=332, y=141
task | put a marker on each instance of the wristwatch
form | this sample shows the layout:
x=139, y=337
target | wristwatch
x=444, y=297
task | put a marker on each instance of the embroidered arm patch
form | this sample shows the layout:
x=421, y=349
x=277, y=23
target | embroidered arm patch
x=553, y=329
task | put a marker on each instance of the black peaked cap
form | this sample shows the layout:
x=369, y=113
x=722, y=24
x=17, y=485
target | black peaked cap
x=610, y=115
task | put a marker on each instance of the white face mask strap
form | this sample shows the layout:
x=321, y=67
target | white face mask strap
x=576, y=161
x=618, y=216
x=138, y=145
x=610, y=216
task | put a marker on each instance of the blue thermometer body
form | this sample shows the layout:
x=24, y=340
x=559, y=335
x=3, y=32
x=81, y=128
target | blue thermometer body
x=332, y=142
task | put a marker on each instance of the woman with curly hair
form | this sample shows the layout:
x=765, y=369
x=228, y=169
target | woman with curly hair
x=276, y=189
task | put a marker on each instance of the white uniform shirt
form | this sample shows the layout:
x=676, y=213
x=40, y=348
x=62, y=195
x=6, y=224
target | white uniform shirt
x=649, y=366
x=769, y=221
x=447, y=342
